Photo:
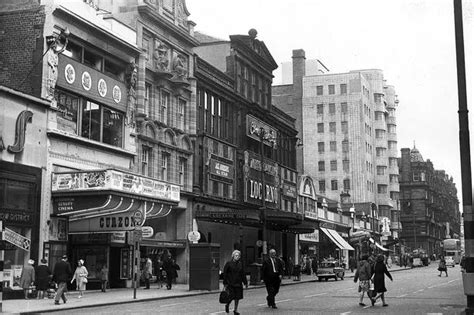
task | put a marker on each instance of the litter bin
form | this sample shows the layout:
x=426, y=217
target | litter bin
x=255, y=273
x=297, y=273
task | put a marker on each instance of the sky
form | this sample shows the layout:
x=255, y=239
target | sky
x=412, y=41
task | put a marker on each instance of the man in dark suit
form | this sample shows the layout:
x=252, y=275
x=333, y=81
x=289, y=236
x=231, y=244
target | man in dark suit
x=272, y=271
x=61, y=274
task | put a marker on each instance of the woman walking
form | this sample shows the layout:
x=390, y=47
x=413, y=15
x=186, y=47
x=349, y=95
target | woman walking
x=43, y=277
x=80, y=275
x=442, y=266
x=234, y=278
x=363, y=274
x=170, y=267
x=380, y=270
x=27, y=277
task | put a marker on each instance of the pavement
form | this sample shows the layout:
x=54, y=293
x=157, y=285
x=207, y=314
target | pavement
x=126, y=295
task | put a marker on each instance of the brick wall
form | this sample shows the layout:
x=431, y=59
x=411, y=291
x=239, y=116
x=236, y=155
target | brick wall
x=21, y=46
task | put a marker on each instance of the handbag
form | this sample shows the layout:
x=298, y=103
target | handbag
x=371, y=293
x=84, y=280
x=226, y=296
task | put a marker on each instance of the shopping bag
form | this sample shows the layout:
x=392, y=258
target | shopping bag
x=371, y=293
x=85, y=280
x=225, y=297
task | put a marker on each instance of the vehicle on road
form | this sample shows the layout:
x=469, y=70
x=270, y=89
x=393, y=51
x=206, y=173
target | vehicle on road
x=449, y=261
x=330, y=269
x=452, y=247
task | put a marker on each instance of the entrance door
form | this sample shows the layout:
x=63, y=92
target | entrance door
x=114, y=269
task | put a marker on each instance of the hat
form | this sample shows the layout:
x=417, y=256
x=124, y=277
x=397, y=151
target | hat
x=235, y=252
x=64, y=257
x=31, y=261
x=43, y=261
x=81, y=261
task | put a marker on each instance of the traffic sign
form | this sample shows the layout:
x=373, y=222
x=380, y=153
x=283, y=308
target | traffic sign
x=16, y=239
x=147, y=231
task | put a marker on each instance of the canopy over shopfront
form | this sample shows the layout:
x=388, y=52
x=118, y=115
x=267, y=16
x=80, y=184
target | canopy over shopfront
x=108, y=200
x=336, y=239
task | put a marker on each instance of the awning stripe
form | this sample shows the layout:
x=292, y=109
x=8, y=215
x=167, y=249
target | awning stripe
x=337, y=239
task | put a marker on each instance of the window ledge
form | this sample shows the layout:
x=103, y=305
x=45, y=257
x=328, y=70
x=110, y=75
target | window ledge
x=90, y=143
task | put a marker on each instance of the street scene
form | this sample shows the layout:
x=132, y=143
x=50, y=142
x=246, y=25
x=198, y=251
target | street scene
x=253, y=156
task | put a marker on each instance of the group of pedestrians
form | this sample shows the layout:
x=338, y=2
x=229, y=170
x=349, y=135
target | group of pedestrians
x=165, y=264
x=372, y=274
x=235, y=278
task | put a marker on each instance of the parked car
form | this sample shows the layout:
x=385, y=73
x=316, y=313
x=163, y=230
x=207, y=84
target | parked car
x=449, y=261
x=329, y=269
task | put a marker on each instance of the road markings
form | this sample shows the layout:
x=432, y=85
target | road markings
x=345, y=313
x=275, y=302
x=174, y=304
x=308, y=296
x=402, y=295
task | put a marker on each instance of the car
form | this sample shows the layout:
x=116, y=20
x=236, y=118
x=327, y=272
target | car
x=328, y=269
x=449, y=261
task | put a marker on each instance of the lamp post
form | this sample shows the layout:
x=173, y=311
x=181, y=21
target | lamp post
x=352, y=212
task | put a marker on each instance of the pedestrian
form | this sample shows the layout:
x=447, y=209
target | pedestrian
x=234, y=279
x=104, y=277
x=291, y=266
x=363, y=274
x=80, y=275
x=170, y=267
x=27, y=277
x=147, y=272
x=380, y=270
x=352, y=263
x=442, y=266
x=61, y=274
x=272, y=272
x=314, y=265
x=43, y=277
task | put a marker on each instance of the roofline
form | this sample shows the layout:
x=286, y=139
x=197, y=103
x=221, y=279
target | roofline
x=25, y=96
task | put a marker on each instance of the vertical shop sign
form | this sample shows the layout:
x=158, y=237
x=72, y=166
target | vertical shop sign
x=125, y=266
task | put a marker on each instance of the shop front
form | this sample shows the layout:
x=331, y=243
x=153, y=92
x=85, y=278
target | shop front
x=106, y=211
x=333, y=245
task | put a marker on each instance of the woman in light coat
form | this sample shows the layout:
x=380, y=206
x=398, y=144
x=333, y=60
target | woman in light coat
x=27, y=277
x=80, y=275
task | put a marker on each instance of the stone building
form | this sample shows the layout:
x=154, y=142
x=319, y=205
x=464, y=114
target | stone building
x=429, y=204
x=245, y=151
x=348, y=125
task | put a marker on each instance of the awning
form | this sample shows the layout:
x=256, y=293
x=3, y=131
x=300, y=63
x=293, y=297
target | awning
x=378, y=245
x=302, y=228
x=337, y=239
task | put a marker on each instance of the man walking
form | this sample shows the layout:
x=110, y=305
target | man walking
x=272, y=271
x=61, y=274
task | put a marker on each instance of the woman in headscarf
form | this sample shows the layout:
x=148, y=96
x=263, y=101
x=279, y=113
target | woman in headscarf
x=80, y=275
x=27, y=277
x=234, y=278
x=380, y=270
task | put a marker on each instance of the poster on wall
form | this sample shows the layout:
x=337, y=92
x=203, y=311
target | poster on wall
x=7, y=278
x=16, y=277
x=125, y=267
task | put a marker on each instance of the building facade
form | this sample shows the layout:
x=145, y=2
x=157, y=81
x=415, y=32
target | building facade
x=348, y=125
x=429, y=204
x=245, y=160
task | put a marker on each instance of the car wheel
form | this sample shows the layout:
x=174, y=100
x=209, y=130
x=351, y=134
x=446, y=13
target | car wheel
x=335, y=278
x=319, y=279
x=326, y=279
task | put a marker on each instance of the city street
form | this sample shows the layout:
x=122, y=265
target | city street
x=415, y=291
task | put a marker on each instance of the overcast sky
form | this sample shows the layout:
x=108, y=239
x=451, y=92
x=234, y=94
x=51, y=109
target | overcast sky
x=412, y=41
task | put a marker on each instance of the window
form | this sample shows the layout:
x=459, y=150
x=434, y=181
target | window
x=391, y=128
x=322, y=186
x=393, y=178
x=145, y=158
x=332, y=146
x=319, y=90
x=333, y=165
x=73, y=51
x=321, y=167
x=344, y=108
x=165, y=158
x=320, y=109
x=182, y=171
x=416, y=176
x=392, y=145
x=377, y=97
x=331, y=89
x=343, y=88
x=320, y=127
x=344, y=127
x=393, y=162
x=321, y=147
x=147, y=99
x=382, y=189
x=332, y=108
x=379, y=133
x=345, y=146
x=180, y=119
x=332, y=127
x=146, y=46
x=381, y=170
x=165, y=104
x=345, y=165
x=114, y=69
x=334, y=184
x=378, y=115
x=380, y=152
x=93, y=60
x=347, y=184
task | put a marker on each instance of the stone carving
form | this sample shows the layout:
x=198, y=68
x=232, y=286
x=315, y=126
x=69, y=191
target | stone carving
x=181, y=14
x=180, y=70
x=160, y=57
x=52, y=75
x=131, y=79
